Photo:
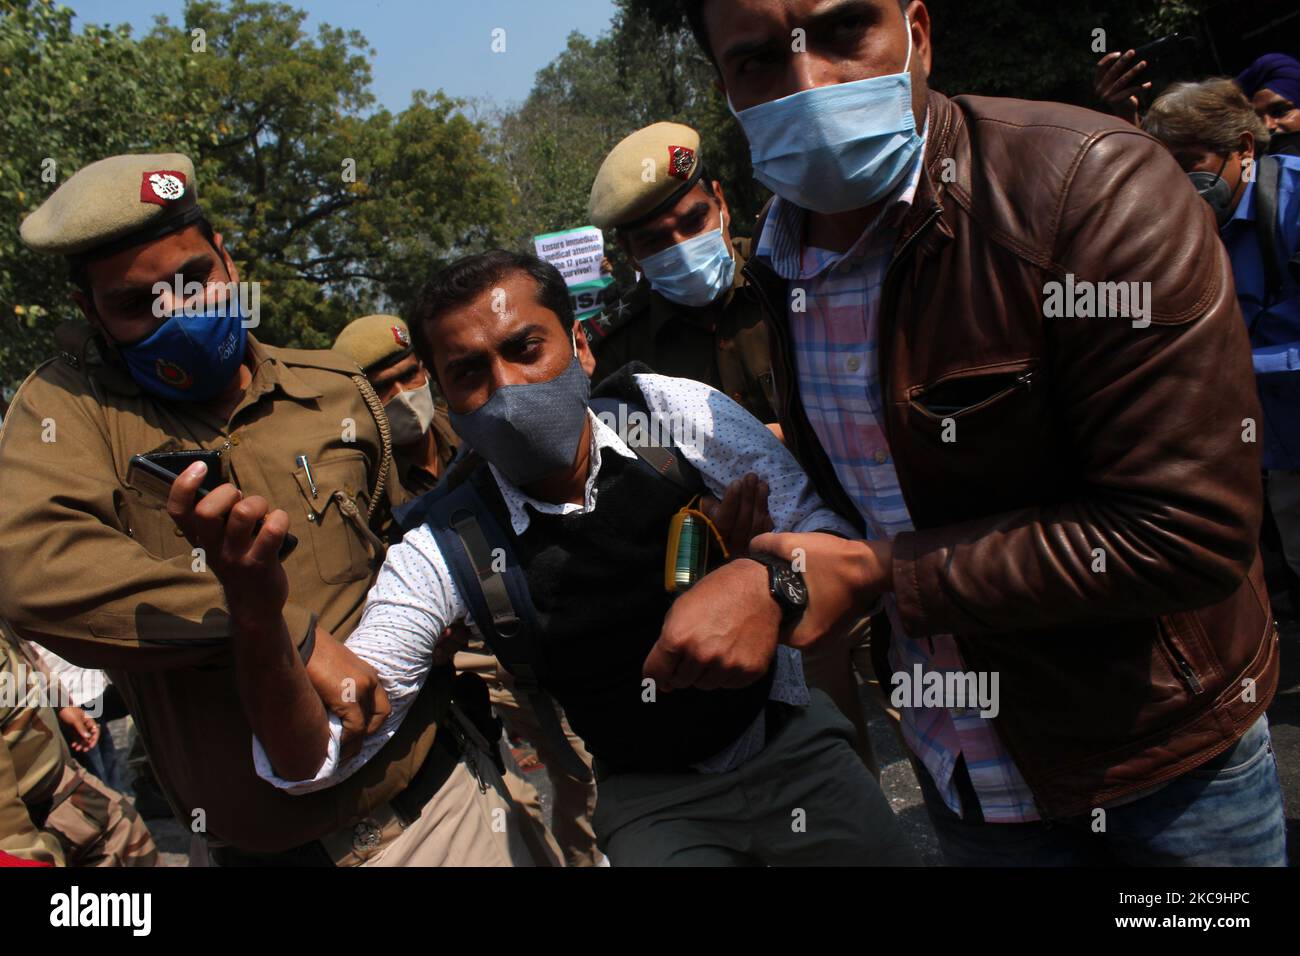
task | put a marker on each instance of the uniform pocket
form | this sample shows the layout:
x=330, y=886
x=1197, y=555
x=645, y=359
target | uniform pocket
x=341, y=553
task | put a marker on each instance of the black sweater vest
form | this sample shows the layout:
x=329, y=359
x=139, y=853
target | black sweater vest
x=596, y=581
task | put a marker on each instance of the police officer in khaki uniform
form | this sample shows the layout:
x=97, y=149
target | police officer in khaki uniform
x=51, y=809
x=423, y=445
x=97, y=572
x=692, y=315
x=424, y=442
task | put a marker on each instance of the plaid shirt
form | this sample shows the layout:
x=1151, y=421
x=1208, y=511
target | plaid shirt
x=837, y=363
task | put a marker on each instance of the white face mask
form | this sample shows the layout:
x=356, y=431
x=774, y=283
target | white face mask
x=410, y=414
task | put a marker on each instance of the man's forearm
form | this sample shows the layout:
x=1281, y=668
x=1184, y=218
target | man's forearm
x=282, y=707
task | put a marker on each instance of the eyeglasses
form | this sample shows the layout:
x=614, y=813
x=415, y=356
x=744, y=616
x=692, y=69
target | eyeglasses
x=1278, y=109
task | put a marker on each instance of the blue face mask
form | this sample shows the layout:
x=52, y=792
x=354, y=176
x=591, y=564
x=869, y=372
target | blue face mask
x=189, y=358
x=835, y=148
x=530, y=431
x=694, y=272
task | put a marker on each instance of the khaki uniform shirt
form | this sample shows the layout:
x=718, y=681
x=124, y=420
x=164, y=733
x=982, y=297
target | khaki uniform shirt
x=723, y=344
x=103, y=578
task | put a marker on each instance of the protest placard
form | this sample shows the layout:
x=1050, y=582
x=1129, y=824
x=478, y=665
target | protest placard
x=578, y=254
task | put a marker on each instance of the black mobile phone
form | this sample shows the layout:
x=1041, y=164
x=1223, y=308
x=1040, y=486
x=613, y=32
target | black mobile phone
x=152, y=475
x=1173, y=51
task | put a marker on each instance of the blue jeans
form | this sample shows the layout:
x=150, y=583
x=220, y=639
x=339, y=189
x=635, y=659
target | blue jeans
x=1227, y=812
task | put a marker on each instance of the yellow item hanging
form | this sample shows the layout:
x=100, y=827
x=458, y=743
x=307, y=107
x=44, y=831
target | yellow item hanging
x=686, y=559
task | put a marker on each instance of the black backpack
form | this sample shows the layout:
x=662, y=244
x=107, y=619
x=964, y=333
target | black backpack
x=486, y=568
x=1268, y=173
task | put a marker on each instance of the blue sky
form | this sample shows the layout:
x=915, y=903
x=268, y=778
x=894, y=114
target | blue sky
x=423, y=44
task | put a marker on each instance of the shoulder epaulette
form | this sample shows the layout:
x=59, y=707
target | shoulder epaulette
x=327, y=359
x=75, y=339
x=621, y=312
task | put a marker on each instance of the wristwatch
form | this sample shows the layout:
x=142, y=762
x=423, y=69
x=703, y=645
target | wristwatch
x=787, y=588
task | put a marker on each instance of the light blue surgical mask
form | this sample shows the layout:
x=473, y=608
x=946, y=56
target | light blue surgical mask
x=835, y=148
x=694, y=272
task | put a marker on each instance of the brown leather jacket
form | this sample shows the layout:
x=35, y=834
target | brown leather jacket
x=1075, y=444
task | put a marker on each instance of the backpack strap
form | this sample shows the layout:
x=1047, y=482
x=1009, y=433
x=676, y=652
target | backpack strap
x=488, y=574
x=1267, y=176
x=413, y=513
x=666, y=462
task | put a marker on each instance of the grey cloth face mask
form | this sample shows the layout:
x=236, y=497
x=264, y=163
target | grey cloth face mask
x=410, y=415
x=530, y=431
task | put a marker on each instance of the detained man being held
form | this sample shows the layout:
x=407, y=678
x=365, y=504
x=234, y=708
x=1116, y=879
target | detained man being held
x=707, y=751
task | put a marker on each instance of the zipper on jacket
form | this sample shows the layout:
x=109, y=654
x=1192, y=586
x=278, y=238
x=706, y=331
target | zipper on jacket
x=935, y=211
x=1024, y=380
x=782, y=326
x=886, y=306
x=1180, y=661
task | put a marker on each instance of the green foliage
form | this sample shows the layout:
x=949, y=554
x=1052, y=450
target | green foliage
x=648, y=68
x=276, y=122
x=594, y=94
x=336, y=208
x=1023, y=48
x=69, y=98
x=273, y=117
x=1034, y=50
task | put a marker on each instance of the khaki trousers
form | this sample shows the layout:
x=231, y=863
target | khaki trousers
x=461, y=825
x=805, y=800
x=570, y=837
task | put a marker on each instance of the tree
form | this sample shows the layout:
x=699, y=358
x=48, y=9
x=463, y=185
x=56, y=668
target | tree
x=1033, y=50
x=334, y=207
x=69, y=98
x=552, y=145
x=1023, y=48
x=595, y=93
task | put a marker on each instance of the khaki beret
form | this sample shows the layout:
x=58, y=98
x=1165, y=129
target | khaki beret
x=375, y=341
x=114, y=204
x=644, y=175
